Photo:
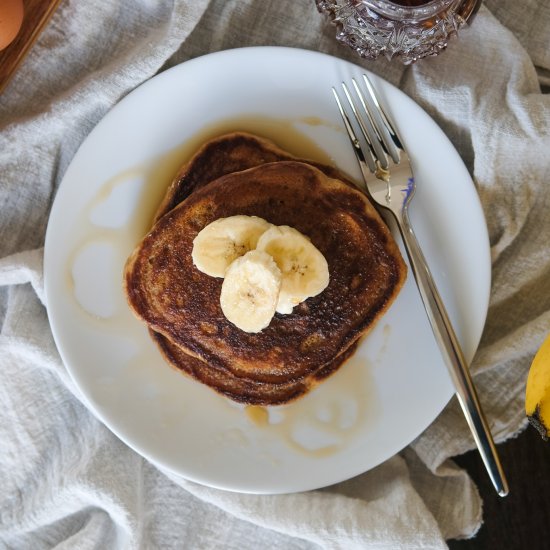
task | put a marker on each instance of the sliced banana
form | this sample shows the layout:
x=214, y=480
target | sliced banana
x=303, y=267
x=224, y=240
x=250, y=291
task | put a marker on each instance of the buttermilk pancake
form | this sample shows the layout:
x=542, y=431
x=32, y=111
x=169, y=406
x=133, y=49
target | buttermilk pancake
x=182, y=304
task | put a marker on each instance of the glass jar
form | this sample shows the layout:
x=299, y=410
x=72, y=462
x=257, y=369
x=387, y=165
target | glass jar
x=407, y=30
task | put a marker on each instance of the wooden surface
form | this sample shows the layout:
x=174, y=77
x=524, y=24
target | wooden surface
x=37, y=14
x=522, y=519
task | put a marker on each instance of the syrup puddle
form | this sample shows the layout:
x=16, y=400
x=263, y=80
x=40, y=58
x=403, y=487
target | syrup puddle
x=327, y=419
x=116, y=219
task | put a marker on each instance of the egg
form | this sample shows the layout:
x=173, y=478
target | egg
x=11, y=17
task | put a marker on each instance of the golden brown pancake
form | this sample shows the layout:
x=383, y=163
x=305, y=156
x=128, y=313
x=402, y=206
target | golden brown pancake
x=182, y=304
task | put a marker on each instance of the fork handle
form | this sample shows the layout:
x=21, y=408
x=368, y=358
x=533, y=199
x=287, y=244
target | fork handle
x=453, y=356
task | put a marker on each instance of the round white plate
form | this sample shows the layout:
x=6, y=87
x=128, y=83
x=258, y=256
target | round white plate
x=378, y=402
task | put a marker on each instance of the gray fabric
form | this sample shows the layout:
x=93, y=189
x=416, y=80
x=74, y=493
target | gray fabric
x=67, y=481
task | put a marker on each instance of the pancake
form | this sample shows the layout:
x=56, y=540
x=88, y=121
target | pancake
x=182, y=304
x=234, y=152
x=223, y=155
x=226, y=154
x=240, y=389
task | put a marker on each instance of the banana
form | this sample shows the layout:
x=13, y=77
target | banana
x=537, y=392
x=304, y=269
x=221, y=242
x=250, y=291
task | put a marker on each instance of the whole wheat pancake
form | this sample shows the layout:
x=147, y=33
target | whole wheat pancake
x=181, y=303
x=241, y=389
x=223, y=155
x=234, y=152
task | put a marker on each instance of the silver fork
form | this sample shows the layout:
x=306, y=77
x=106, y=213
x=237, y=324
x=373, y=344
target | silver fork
x=392, y=188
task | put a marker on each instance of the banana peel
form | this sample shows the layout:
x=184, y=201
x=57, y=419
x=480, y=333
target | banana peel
x=537, y=392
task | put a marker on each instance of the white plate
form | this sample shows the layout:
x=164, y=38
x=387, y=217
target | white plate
x=384, y=397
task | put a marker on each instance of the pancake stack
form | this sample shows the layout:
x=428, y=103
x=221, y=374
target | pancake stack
x=241, y=174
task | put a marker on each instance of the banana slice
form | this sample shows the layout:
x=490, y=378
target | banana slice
x=250, y=291
x=221, y=242
x=303, y=267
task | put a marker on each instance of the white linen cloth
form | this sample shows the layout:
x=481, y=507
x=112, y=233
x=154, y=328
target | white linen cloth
x=67, y=481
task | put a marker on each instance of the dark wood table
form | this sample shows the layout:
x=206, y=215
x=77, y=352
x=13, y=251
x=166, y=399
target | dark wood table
x=522, y=519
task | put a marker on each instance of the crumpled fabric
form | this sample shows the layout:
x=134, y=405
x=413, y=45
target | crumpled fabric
x=67, y=481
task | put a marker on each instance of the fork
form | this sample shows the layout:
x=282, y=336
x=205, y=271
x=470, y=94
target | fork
x=392, y=189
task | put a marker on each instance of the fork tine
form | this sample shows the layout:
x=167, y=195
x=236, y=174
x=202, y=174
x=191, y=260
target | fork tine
x=375, y=146
x=381, y=131
x=373, y=123
x=370, y=144
x=363, y=159
x=385, y=118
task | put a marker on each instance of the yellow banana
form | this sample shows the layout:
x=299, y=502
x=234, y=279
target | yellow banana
x=537, y=393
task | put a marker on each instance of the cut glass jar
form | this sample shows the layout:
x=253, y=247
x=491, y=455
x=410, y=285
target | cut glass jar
x=407, y=30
